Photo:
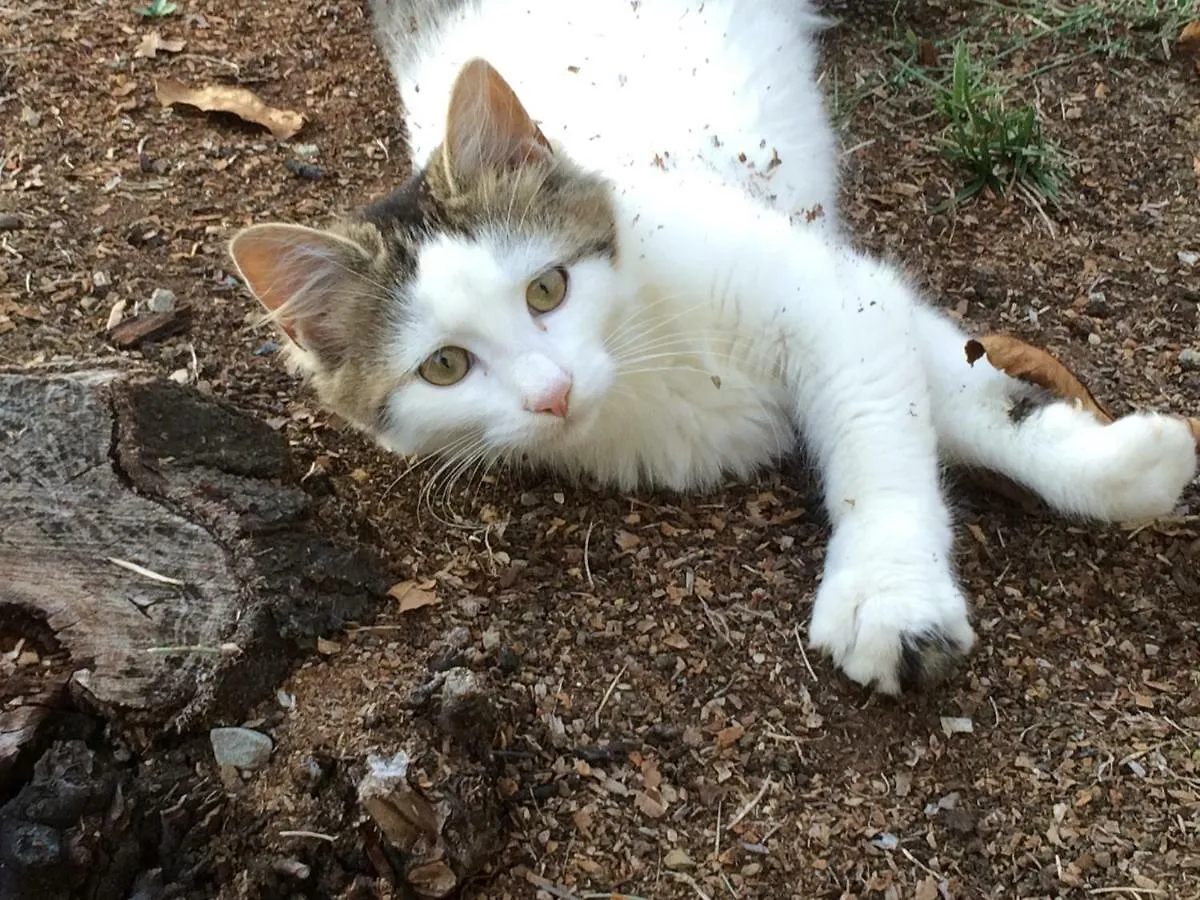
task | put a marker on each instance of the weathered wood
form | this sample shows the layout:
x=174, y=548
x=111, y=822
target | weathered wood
x=157, y=535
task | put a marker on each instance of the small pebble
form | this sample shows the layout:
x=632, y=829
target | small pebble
x=1097, y=305
x=292, y=868
x=1189, y=358
x=267, y=349
x=243, y=748
x=100, y=284
x=303, y=170
x=306, y=150
x=161, y=301
x=508, y=660
x=1188, y=257
x=9, y=222
x=491, y=640
x=458, y=637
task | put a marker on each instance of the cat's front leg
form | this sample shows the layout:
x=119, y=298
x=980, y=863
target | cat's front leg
x=888, y=610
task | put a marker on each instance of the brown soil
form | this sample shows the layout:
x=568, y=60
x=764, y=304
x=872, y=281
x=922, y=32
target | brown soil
x=668, y=624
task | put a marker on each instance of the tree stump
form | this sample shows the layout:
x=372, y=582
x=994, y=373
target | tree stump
x=157, y=561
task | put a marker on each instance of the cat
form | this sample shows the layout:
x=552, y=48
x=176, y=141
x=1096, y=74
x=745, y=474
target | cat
x=649, y=286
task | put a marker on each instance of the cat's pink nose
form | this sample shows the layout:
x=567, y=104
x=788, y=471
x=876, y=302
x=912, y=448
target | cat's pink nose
x=553, y=401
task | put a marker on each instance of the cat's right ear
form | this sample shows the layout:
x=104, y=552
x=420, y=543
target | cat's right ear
x=487, y=127
x=304, y=278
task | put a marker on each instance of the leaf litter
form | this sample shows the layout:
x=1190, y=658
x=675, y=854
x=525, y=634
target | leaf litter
x=241, y=102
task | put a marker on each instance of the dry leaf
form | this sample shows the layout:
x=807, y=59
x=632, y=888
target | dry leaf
x=927, y=54
x=649, y=806
x=153, y=42
x=6, y=324
x=727, y=737
x=1189, y=38
x=411, y=595
x=627, y=540
x=1035, y=366
x=282, y=123
x=327, y=647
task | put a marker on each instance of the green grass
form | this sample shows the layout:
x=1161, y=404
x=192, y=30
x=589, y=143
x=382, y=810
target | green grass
x=157, y=9
x=971, y=103
x=999, y=148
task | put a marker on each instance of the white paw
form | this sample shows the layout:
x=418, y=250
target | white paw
x=896, y=623
x=1144, y=461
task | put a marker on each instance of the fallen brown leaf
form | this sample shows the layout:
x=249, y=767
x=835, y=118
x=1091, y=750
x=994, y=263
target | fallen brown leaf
x=1189, y=38
x=411, y=595
x=927, y=54
x=1036, y=366
x=152, y=42
x=282, y=123
x=727, y=737
x=649, y=806
x=627, y=540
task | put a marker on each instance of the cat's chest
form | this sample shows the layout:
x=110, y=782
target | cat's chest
x=690, y=424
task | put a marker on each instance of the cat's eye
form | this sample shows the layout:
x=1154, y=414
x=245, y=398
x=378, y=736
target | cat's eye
x=446, y=366
x=547, y=291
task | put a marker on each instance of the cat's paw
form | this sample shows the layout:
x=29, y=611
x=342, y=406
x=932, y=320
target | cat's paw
x=1142, y=463
x=897, y=626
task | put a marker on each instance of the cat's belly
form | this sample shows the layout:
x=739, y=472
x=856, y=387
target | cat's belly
x=683, y=429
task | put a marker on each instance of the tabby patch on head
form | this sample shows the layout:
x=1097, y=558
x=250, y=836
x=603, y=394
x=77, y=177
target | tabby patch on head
x=468, y=306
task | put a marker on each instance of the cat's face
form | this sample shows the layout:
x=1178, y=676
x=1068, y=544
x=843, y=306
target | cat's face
x=469, y=311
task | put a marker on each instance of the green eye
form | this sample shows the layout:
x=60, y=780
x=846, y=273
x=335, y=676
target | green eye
x=547, y=291
x=446, y=366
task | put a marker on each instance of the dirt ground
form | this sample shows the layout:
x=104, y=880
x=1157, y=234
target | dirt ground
x=674, y=741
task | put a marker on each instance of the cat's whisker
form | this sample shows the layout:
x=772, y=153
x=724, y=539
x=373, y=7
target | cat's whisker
x=426, y=459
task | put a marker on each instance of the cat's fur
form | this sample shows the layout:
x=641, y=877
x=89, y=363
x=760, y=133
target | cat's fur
x=682, y=173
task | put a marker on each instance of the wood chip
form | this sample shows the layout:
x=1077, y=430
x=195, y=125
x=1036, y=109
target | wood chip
x=152, y=327
x=411, y=595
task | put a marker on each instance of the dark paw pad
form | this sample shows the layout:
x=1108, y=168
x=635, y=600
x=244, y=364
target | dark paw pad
x=928, y=658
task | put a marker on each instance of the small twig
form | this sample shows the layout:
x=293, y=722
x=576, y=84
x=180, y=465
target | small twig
x=691, y=882
x=995, y=711
x=920, y=865
x=745, y=810
x=144, y=572
x=717, y=840
x=804, y=655
x=309, y=834
x=550, y=887
x=612, y=687
x=717, y=621
x=587, y=545
x=1136, y=891
x=228, y=649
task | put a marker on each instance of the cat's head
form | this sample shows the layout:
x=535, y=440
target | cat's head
x=472, y=305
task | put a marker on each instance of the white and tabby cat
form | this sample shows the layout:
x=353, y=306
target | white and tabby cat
x=647, y=286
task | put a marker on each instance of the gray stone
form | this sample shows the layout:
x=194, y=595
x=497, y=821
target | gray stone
x=241, y=747
x=1189, y=358
x=161, y=301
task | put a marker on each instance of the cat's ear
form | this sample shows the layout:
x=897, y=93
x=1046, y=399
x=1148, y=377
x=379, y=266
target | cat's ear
x=487, y=128
x=306, y=279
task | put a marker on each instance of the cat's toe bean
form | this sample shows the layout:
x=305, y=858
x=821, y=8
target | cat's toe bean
x=894, y=632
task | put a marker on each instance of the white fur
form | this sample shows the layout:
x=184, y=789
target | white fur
x=721, y=88
x=726, y=326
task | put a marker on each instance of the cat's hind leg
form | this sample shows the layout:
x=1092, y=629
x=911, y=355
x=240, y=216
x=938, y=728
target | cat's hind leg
x=1133, y=468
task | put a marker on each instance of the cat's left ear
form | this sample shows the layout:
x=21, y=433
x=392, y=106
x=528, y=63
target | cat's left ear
x=487, y=128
